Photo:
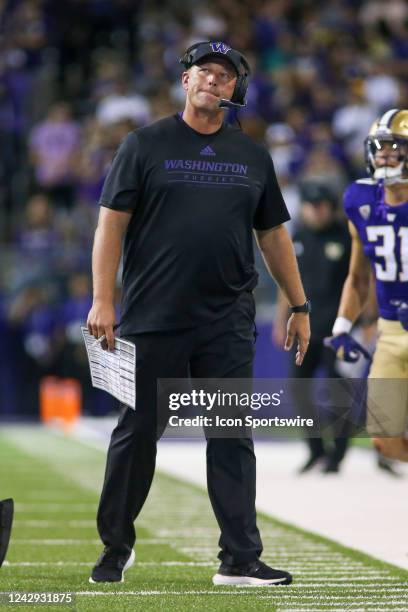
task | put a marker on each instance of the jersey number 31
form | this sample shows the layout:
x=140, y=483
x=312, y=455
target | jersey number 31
x=395, y=265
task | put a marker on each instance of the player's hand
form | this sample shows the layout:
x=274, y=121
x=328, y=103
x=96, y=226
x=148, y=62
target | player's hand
x=402, y=313
x=101, y=320
x=298, y=327
x=346, y=348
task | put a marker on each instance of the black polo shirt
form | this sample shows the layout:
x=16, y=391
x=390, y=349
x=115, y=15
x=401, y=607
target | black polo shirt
x=194, y=198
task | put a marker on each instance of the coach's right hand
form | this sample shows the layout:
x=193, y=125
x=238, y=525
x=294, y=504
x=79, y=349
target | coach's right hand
x=101, y=319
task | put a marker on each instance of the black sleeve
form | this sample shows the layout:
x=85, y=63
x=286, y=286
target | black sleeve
x=122, y=185
x=271, y=209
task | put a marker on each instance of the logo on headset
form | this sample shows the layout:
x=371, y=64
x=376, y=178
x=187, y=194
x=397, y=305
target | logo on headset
x=219, y=47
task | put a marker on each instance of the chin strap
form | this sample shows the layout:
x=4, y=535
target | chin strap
x=396, y=181
x=391, y=175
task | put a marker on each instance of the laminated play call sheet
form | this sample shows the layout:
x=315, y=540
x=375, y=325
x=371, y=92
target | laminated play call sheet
x=113, y=371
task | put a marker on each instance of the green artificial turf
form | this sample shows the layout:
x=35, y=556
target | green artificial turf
x=55, y=481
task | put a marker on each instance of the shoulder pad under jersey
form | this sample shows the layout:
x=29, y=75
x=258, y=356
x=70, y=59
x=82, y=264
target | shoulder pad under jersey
x=360, y=199
x=366, y=181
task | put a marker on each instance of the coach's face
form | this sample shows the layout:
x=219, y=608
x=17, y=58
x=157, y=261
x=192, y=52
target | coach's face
x=208, y=82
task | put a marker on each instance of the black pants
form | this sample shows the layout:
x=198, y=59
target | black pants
x=318, y=356
x=222, y=349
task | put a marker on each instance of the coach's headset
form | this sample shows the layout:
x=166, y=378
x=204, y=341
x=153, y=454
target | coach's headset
x=219, y=49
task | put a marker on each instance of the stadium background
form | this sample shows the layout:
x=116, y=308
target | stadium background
x=77, y=75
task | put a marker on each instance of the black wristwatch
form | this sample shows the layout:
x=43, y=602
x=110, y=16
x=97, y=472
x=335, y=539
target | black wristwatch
x=306, y=307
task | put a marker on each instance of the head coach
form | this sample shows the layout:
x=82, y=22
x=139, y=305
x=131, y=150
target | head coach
x=186, y=193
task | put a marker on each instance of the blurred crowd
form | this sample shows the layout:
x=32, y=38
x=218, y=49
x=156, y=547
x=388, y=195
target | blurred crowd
x=77, y=75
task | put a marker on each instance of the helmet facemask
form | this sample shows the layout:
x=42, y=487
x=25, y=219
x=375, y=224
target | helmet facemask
x=386, y=148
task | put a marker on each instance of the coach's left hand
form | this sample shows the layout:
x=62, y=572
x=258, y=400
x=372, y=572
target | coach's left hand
x=298, y=327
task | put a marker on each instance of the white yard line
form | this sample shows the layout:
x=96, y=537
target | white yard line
x=308, y=578
x=360, y=507
x=54, y=507
x=355, y=583
x=244, y=590
x=349, y=607
x=91, y=564
x=241, y=591
x=78, y=541
x=44, y=523
x=396, y=588
x=340, y=580
x=53, y=542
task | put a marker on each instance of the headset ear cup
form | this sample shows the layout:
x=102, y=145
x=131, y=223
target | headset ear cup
x=240, y=90
x=244, y=87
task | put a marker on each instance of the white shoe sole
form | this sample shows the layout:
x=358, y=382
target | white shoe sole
x=128, y=564
x=220, y=580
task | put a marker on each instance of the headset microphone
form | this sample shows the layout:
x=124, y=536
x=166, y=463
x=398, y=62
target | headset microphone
x=228, y=104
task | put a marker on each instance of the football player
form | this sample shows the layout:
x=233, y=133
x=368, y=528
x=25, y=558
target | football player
x=377, y=209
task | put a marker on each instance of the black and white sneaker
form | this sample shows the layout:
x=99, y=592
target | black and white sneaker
x=256, y=573
x=110, y=566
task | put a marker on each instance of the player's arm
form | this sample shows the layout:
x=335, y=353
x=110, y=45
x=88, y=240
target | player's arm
x=357, y=284
x=352, y=302
x=106, y=254
x=278, y=253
